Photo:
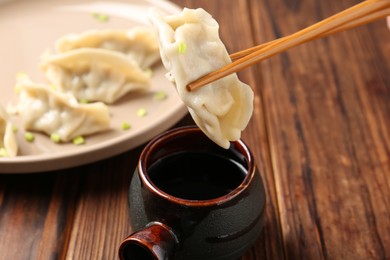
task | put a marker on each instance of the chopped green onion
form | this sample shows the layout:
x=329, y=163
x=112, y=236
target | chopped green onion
x=182, y=47
x=101, y=17
x=149, y=72
x=142, y=112
x=30, y=137
x=55, y=138
x=15, y=129
x=83, y=101
x=78, y=140
x=17, y=88
x=21, y=75
x=160, y=95
x=126, y=126
x=3, y=152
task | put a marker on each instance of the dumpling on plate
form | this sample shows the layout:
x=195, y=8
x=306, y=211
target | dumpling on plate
x=190, y=48
x=8, y=143
x=46, y=110
x=94, y=74
x=139, y=43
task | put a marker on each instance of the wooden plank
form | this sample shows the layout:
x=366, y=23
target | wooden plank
x=59, y=218
x=101, y=216
x=328, y=108
x=35, y=216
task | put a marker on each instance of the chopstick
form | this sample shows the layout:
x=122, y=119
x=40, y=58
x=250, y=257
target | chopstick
x=357, y=22
x=359, y=14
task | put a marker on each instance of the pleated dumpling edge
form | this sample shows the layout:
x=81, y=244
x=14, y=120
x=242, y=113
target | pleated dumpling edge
x=190, y=48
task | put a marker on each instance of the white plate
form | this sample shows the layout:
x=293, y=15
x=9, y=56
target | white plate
x=28, y=28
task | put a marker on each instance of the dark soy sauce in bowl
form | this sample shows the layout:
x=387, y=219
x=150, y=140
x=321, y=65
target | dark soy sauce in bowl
x=196, y=175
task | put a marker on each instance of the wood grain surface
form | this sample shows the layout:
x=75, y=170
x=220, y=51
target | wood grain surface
x=320, y=135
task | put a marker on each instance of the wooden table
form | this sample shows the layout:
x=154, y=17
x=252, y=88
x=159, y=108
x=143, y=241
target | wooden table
x=320, y=134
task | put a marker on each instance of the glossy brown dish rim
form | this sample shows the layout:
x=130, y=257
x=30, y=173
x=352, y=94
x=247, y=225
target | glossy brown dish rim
x=240, y=145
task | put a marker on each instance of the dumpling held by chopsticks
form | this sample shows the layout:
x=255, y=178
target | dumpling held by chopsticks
x=190, y=48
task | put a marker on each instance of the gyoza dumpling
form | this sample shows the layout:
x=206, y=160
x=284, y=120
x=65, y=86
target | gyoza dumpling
x=190, y=47
x=52, y=112
x=94, y=74
x=8, y=144
x=138, y=43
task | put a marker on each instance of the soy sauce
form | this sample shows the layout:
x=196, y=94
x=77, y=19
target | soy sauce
x=196, y=175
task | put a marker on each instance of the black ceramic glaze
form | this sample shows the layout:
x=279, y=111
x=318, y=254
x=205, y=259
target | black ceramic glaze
x=167, y=227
